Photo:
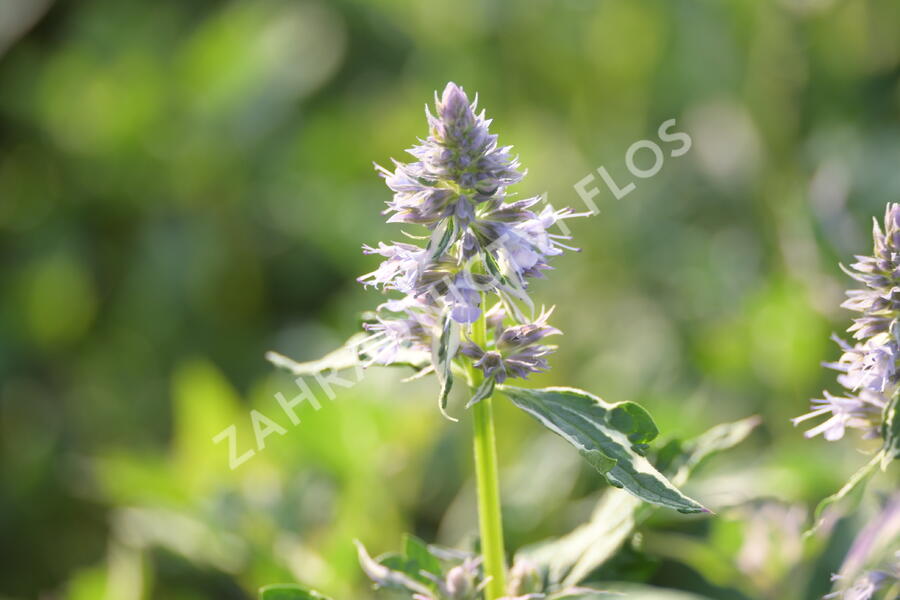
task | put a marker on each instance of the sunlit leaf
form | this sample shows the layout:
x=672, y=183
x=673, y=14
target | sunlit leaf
x=849, y=493
x=571, y=558
x=694, y=451
x=345, y=357
x=204, y=403
x=348, y=356
x=718, y=568
x=181, y=533
x=588, y=423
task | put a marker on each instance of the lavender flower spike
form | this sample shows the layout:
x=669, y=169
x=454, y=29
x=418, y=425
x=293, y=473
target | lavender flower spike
x=478, y=248
x=868, y=370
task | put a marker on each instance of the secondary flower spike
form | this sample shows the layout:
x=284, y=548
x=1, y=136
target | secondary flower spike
x=868, y=369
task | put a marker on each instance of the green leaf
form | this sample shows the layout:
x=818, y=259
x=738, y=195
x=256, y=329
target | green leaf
x=571, y=558
x=483, y=391
x=851, y=491
x=442, y=237
x=289, y=591
x=204, y=403
x=443, y=350
x=345, y=357
x=416, y=551
x=511, y=288
x=717, y=439
x=384, y=576
x=633, y=420
x=401, y=564
x=700, y=555
x=586, y=422
x=490, y=263
x=348, y=356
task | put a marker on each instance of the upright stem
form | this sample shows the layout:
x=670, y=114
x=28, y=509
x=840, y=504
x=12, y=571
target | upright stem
x=487, y=482
x=489, y=516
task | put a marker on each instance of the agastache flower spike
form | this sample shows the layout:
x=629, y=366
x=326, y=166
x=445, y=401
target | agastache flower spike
x=479, y=245
x=868, y=369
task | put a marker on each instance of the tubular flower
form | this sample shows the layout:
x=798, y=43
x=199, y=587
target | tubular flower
x=400, y=271
x=480, y=248
x=397, y=325
x=868, y=369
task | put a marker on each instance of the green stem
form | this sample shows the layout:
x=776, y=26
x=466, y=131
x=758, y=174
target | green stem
x=487, y=482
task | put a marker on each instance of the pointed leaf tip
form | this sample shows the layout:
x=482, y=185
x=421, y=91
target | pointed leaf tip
x=443, y=351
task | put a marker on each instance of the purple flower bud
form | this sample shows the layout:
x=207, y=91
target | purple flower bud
x=492, y=365
x=520, y=336
x=517, y=352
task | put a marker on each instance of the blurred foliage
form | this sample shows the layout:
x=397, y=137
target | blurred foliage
x=185, y=185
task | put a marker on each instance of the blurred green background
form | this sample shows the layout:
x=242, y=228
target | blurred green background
x=185, y=185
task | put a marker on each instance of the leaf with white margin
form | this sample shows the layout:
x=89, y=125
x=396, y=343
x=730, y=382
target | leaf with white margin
x=612, y=437
x=572, y=557
x=348, y=356
x=443, y=351
x=484, y=390
x=441, y=238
